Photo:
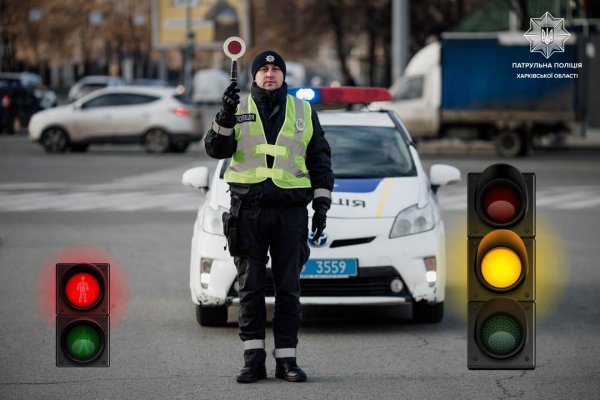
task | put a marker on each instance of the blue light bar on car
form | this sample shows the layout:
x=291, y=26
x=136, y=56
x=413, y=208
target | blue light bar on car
x=310, y=94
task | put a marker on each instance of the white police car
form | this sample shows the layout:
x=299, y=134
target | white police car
x=384, y=242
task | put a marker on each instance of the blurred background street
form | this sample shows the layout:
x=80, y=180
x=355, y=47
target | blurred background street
x=104, y=105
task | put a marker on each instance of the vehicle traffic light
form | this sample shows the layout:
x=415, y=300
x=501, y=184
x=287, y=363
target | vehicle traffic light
x=82, y=315
x=501, y=269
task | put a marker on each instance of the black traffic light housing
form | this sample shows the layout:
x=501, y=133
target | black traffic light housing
x=501, y=317
x=88, y=320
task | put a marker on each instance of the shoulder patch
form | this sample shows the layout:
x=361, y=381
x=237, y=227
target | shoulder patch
x=245, y=118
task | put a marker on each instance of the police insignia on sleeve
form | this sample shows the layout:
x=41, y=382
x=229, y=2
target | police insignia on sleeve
x=245, y=118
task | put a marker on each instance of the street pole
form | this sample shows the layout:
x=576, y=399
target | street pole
x=400, y=37
x=189, y=59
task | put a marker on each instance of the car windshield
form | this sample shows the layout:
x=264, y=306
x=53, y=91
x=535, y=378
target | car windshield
x=368, y=152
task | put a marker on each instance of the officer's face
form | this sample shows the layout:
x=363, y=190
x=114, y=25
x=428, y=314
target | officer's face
x=269, y=77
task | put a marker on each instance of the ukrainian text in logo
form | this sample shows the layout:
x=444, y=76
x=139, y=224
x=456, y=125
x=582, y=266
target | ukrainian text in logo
x=547, y=35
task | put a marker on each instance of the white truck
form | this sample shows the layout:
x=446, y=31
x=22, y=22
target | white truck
x=468, y=86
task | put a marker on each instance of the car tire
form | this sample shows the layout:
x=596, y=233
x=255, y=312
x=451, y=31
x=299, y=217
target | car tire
x=211, y=316
x=79, y=147
x=180, y=147
x=55, y=140
x=509, y=144
x=428, y=313
x=157, y=141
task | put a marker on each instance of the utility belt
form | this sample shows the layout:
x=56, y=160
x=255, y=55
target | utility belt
x=231, y=226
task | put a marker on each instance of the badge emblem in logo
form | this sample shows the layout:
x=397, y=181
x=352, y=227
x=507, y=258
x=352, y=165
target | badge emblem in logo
x=547, y=35
x=269, y=58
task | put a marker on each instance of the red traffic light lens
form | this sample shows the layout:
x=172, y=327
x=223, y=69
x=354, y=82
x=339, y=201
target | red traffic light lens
x=82, y=290
x=501, y=204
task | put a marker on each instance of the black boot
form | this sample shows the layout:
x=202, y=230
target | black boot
x=251, y=373
x=254, y=366
x=286, y=368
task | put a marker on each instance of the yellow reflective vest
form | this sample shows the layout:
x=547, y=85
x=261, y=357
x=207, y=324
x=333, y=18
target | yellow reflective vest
x=249, y=162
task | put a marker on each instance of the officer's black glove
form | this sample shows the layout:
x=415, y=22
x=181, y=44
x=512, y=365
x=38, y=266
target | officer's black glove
x=319, y=222
x=226, y=115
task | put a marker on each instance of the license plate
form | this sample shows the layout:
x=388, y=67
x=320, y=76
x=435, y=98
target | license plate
x=330, y=268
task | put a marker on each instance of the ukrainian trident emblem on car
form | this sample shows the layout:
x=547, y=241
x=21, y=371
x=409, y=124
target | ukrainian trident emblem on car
x=547, y=35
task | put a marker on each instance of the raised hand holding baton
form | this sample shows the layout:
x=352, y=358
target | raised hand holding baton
x=234, y=48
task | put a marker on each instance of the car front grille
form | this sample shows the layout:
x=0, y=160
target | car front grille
x=369, y=282
x=351, y=242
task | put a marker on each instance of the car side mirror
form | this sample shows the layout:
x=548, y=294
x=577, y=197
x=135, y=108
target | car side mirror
x=196, y=178
x=441, y=175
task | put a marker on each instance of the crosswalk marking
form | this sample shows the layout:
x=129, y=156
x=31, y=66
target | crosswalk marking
x=132, y=196
x=556, y=198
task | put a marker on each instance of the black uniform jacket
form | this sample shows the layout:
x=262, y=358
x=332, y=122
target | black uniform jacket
x=271, y=106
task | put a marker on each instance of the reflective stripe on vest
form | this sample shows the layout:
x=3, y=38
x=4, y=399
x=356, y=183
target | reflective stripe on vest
x=249, y=163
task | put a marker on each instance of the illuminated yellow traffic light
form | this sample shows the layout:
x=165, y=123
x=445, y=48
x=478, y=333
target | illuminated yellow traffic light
x=501, y=267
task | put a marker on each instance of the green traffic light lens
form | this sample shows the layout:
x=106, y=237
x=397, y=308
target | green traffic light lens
x=501, y=335
x=83, y=342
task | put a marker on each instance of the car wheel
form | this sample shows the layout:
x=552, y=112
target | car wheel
x=211, y=316
x=79, y=147
x=55, y=140
x=510, y=144
x=424, y=312
x=157, y=141
x=180, y=147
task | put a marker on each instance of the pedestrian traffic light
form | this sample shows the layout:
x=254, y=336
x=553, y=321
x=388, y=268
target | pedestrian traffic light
x=501, y=269
x=82, y=315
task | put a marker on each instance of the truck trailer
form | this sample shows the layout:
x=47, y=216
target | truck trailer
x=490, y=86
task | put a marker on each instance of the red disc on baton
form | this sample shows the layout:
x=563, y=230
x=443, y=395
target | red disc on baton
x=234, y=47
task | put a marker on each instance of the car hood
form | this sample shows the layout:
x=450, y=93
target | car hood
x=360, y=198
x=55, y=111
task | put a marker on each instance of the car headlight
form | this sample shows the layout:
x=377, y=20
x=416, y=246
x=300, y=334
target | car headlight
x=212, y=221
x=413, y=220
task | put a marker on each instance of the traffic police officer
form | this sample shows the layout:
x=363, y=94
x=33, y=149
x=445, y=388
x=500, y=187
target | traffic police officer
x=280, y=162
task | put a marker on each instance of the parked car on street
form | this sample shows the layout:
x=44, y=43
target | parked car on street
x=385, y=239
x=88, y=84
x=209, y=85
x=158, y=118
x=21, y=95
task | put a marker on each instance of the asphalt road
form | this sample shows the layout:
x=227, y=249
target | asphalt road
x=122, y=204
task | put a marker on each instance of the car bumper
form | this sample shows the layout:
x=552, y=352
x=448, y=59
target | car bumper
x=185, y=137
x=380, y=261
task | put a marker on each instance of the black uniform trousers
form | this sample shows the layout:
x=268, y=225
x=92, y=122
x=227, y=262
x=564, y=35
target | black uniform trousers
x=283, y=232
